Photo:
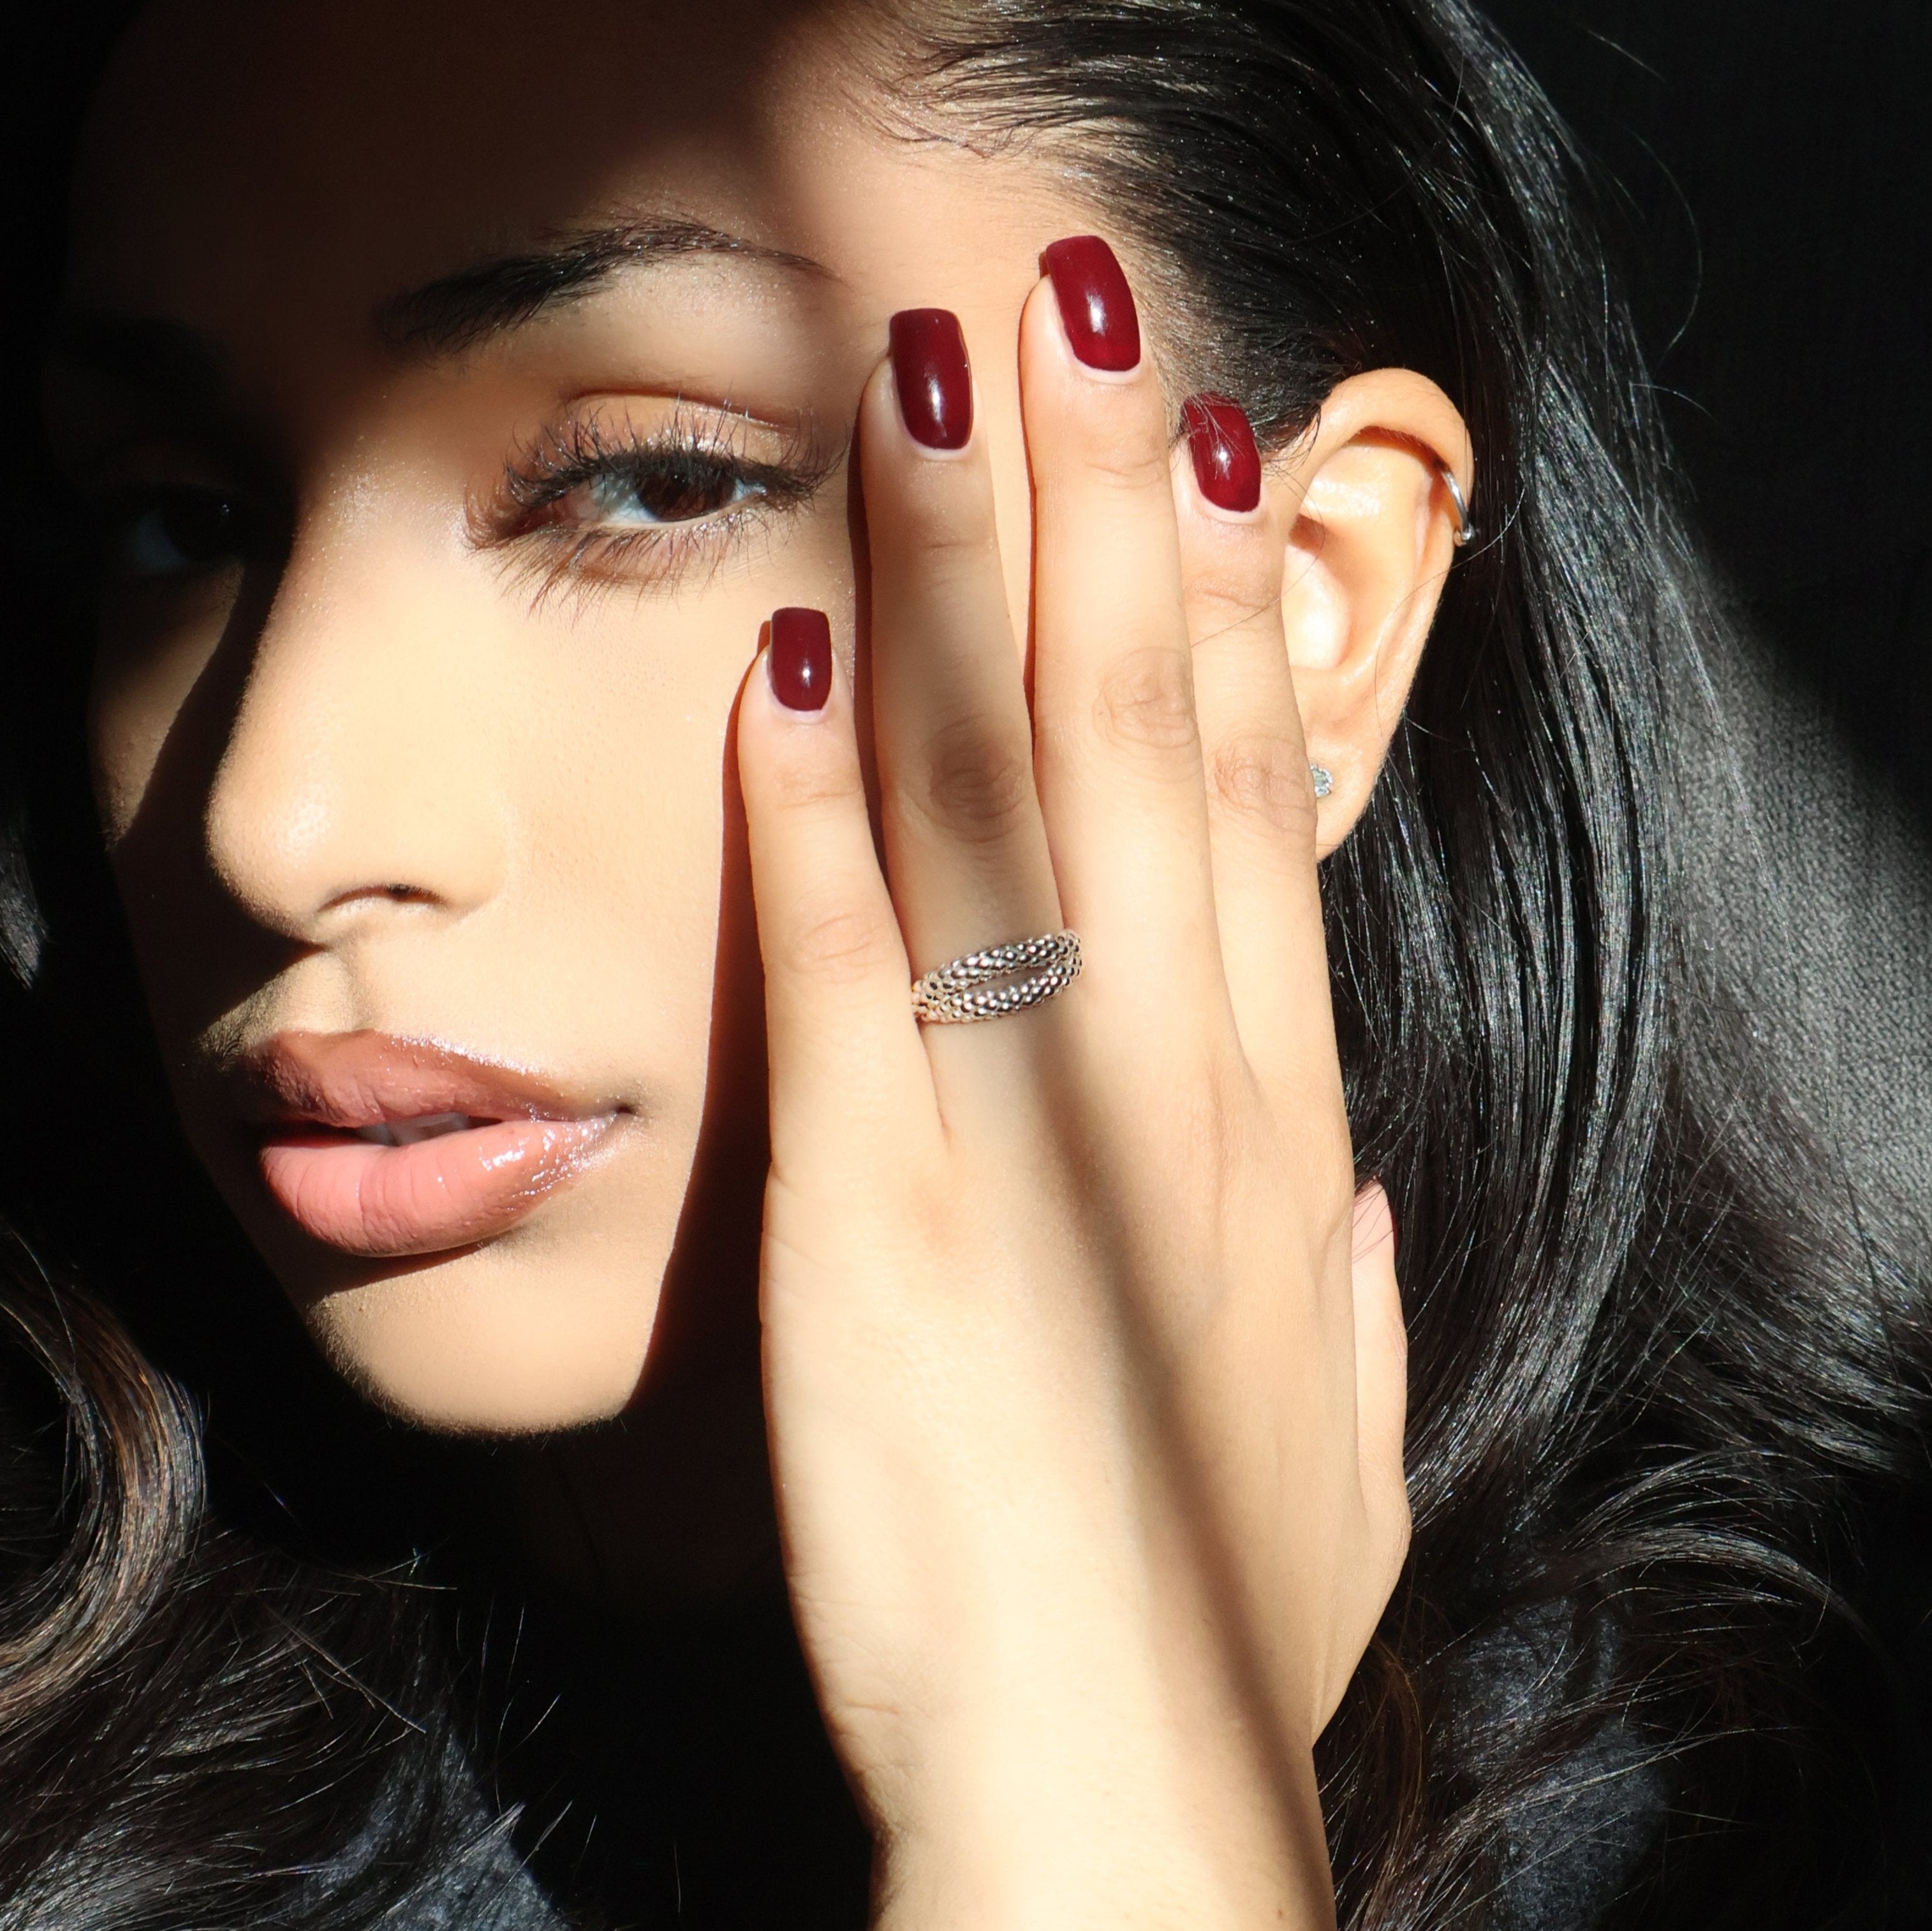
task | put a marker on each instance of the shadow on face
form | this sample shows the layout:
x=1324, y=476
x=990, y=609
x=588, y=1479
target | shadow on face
x=459, y=398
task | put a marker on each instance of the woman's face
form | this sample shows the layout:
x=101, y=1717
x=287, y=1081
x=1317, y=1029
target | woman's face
x=465, y=383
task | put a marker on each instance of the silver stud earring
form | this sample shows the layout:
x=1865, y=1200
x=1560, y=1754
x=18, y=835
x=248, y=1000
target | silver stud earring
x=1325, y=779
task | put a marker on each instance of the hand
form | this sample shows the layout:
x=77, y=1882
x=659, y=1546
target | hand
x=1086, y=1412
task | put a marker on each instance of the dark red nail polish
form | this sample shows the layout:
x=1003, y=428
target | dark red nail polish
x=1097, y=307
x=934, y=380
x=800, y=659
x=1227, y=465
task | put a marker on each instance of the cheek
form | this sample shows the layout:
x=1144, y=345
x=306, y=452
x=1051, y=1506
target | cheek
x=605, y=945
x=582, y=743
x=632, y=809
x=623, y=788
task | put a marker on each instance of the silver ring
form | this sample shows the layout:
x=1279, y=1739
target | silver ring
x=964, y=991
x=1465, y=530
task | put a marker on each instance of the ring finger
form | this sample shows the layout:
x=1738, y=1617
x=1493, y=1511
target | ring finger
x=1261, y=797
x=966, y=850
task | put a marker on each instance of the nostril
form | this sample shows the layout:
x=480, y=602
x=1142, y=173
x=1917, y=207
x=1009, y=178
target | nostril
x=350, y=791
x=381, y=895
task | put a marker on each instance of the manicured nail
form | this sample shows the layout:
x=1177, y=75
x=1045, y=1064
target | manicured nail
x=1227, y=465
x=800, y=658
x=1097, y=307
x=934, y=380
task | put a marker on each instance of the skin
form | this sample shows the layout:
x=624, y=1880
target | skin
x=1033, y=1533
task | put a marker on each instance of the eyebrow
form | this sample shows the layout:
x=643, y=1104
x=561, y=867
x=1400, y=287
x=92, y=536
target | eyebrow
x=441, y=318
x=457, y=312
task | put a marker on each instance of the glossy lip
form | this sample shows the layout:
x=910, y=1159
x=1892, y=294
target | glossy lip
x=309, y=1097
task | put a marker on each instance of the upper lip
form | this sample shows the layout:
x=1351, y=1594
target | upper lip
x=352, y=1079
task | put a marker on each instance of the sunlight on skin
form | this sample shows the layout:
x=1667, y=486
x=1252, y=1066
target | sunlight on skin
x=456, y=778
x=458, y=449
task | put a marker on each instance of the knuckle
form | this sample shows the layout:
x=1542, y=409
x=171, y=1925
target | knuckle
x=1121, y=451
x=1124, y=440
x=1231, y=591
x=811, y=785
x=1130, y=460
x=955, y=543
x=839, y=945
x=945, y=515
x=1145, y=702
x=1258, y=776
x=974, y=786
x=1328, y=1196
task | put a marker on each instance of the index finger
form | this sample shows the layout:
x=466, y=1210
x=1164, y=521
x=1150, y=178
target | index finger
x=843, y=1043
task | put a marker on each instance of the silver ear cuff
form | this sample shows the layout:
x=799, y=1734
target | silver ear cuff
x=1325, y=779
x=1465, y=530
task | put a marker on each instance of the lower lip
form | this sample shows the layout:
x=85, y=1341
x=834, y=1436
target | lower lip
x=450, y=1191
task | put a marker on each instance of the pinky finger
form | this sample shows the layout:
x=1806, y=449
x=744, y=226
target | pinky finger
x=843, y=1042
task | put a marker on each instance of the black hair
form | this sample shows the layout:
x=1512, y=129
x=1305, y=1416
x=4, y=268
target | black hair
x=1656, y=1370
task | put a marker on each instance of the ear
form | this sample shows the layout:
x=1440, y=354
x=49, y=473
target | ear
x=1373, y=534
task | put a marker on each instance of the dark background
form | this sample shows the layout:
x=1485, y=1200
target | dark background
x=1773, y=199
x=1765, y=173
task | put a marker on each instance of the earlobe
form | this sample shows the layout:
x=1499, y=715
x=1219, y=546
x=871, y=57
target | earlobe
x=1374, y=531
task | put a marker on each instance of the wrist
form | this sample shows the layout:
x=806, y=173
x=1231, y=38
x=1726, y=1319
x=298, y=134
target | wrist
x=1112, y=1848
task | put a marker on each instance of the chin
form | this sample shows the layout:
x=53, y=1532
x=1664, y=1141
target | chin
x=494, y=1341
x=452, y=1266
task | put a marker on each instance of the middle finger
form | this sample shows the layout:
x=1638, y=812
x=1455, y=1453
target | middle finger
x=966, y=851
x=1118, y=748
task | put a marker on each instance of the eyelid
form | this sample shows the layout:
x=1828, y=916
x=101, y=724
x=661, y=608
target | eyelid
x=152, y=463
x=587, y=444
x=595, y=437
x=96, y=420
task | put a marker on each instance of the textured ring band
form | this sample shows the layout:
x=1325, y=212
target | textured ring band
x=966, y=989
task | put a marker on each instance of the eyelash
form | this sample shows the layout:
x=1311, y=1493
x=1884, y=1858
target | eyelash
x=692, y=450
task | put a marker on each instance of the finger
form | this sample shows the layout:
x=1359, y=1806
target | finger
x=966, y=851
x=1260, y=797
x=1118, y=752
x=837, y=1000
x=1381, y=1382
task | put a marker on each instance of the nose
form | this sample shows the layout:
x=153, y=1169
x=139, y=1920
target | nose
x=357, y=780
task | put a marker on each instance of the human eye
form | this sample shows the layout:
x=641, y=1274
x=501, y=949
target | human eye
x=164, y=540
x=653, y=489
x=168, y=534
x=604, y=498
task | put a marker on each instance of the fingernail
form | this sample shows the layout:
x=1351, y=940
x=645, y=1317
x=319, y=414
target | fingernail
x=1097, y=307
x=934, y=380
x=1227, y=465
x=799, y=660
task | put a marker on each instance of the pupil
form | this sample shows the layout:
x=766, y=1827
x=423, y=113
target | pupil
x=679, y=495
x=202, y=527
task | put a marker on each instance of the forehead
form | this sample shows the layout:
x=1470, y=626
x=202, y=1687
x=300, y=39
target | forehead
x=252, y=153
